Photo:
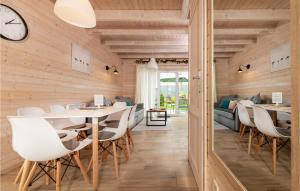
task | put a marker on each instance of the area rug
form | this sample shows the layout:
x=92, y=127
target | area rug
x=142, y=126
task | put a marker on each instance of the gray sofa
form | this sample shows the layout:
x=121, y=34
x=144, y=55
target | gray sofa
x=229, y=117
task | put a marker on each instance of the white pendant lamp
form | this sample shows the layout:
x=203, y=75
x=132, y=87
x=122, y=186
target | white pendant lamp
x=152, y=64
x=76, y=12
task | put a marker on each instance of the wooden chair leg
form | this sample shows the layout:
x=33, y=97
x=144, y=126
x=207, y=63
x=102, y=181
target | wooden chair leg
x=25, y=172
x=127, y=145
x=115, y=159
x=131, y=138
x=19, y=174
x=259, y=144
x=90, y=165
x=250, y=141
x=54, y=171
x=58, y=178
x=47, y=169
x=242, y=131
x=274, y=155
x=82, y=168
x=32, y=171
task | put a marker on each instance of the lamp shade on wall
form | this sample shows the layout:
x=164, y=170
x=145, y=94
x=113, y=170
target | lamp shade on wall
x=152, y=64
x=76, y=12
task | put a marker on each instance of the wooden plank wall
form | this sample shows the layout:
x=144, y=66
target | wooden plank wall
x=129, y=78
x=259, y=78
x=37, y=71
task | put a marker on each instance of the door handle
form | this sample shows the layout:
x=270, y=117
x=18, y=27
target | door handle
x=196, y=78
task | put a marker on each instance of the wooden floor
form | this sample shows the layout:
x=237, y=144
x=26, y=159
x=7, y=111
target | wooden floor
x=255, y=174
x=158, y=163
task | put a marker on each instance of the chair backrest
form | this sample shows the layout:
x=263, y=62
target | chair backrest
x=57, y=108
x=35, y=139
x=119, y=104
x=131, y=119
x=30, y=111
x=123, y=124
x=244, y=115
x=263, y=122
x=76, y=106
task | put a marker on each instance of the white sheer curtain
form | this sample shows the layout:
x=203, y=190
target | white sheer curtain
x=146, y=86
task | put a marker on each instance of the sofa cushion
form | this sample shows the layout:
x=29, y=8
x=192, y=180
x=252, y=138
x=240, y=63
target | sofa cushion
x=228, y=113
x=224, y=103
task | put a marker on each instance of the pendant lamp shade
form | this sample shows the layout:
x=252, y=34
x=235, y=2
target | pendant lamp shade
x=152, y=64
x=76, y=12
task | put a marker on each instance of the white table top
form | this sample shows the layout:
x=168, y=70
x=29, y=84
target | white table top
x=273, y=107
x=83, y=113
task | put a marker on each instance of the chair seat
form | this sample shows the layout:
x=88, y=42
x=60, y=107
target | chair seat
x=110, y=123
x=283, y=131
x=104, y=135
x=66, y=135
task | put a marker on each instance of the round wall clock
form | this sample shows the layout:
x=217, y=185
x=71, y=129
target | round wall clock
x=13, y=26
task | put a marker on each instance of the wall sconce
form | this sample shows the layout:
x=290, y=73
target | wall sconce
x=113, y=68
x=245, y=66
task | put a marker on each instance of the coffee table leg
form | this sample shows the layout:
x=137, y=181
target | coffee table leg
x=166, y=118
x=147, y=118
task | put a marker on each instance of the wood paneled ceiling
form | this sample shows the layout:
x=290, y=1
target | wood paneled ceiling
x=238, y=23
x=159, y=28
x=143, y=28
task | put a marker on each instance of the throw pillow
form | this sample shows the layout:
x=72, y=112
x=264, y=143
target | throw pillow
x=256, y=99
x=232, y=104
x=247, y=103
x=225, y=103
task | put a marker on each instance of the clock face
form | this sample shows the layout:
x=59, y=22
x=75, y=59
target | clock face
x=13, y=26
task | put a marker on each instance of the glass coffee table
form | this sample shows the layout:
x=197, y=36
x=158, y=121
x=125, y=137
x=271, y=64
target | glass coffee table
x=149, y=117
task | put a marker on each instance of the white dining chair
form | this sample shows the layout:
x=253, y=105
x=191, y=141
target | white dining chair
x=37, y=112
x=113, y=119
x=131, y=124
x=78, y=125
x=246, y=122
x=36, y=140
x=115, y=137
x=270, y=133
x=76, y=106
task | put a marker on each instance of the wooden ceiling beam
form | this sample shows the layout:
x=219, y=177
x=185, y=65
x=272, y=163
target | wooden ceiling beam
x=252, y=15
x=233, y=42
x=159, y=55
x=241, y=31
x=140, y=32
x=185, y=9
x=223, y=55
x=156, y=50
x=225, y=49
x=145, y=43
x=170, y=16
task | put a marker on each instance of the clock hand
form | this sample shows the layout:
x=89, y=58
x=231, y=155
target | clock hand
x=9, y=21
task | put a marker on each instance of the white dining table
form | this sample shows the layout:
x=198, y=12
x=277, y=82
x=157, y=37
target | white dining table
x=93, y=113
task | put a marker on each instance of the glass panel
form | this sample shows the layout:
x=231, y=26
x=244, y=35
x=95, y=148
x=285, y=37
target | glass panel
x=183, y=92
x=168, y=92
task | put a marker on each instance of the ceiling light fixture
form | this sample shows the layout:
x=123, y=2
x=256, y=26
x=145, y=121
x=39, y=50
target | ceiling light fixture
x=76, y=12
x=152, y=64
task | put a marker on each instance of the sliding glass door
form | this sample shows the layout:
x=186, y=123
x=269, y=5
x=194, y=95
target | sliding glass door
x=173, y=92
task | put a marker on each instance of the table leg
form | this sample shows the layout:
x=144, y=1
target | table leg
x=166, y=118
x=147, y=118
x=274, y=117
x=95, y=153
